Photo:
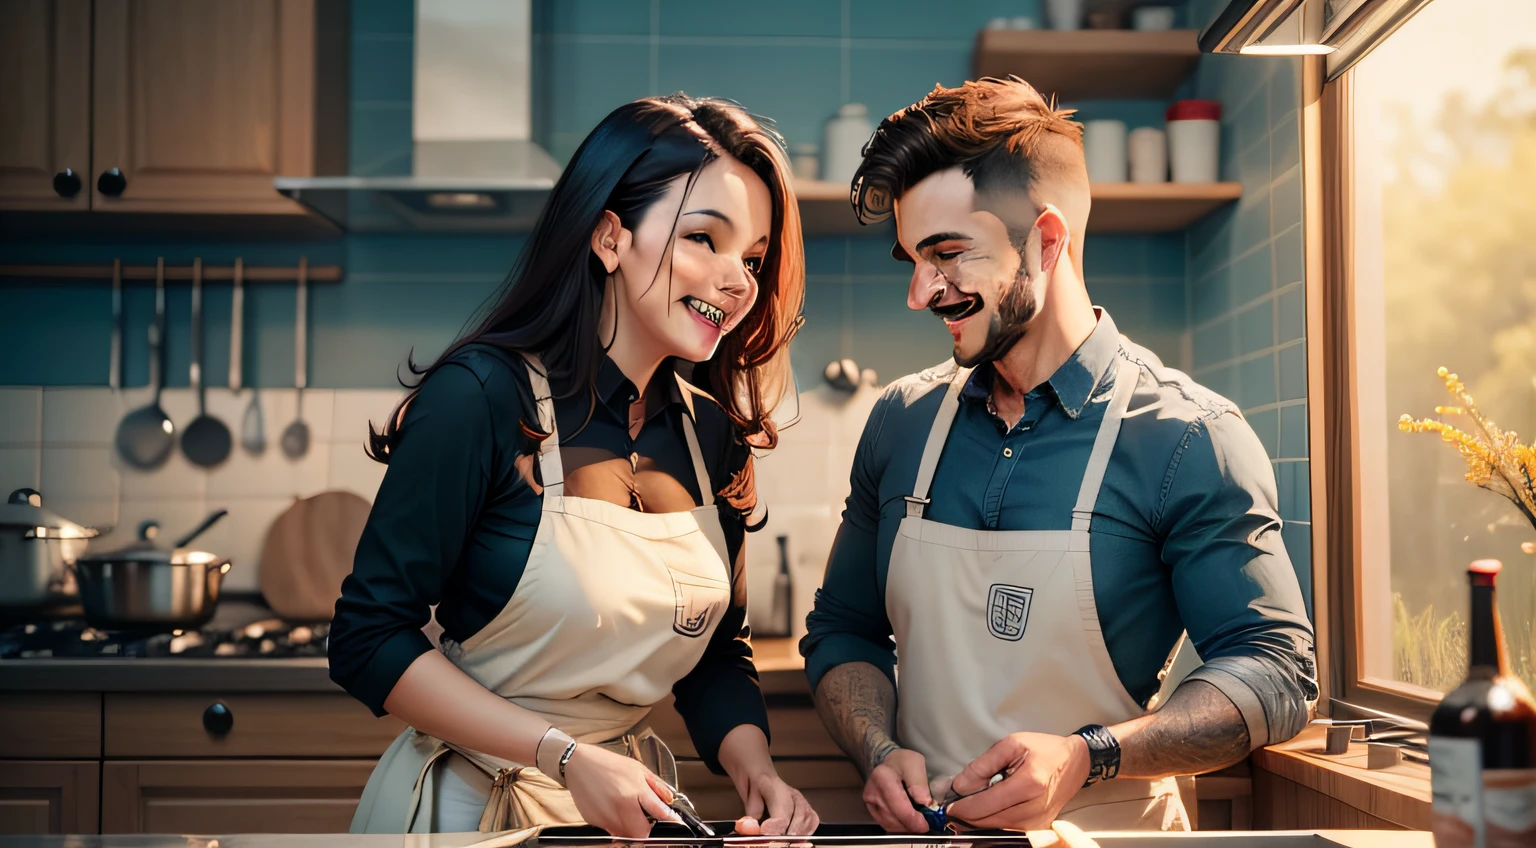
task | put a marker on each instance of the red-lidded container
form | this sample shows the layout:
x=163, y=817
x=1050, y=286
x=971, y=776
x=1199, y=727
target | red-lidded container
x=1194, y=141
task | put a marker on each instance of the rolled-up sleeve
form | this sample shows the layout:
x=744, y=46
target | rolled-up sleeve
x=848, y=622
x=438, y=476
x=1236, y=588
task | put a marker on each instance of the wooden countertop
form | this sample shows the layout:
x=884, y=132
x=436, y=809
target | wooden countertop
x=1250, y=839
x=1399, y=794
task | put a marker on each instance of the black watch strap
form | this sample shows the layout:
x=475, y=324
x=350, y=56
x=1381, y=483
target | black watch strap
x=1103, y=753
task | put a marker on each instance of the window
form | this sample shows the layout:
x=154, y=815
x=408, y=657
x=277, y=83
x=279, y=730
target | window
x=1428, y=210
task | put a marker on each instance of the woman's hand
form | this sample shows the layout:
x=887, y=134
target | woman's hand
x=617, y=793
x=788, y=811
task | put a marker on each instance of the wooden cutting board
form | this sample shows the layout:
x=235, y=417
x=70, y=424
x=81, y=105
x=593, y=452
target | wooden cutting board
x=308, y=552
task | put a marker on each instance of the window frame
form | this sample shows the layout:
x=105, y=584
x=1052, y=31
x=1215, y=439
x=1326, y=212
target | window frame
x=1328, y=213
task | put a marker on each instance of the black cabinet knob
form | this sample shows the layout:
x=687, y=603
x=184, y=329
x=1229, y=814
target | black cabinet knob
x=218, y=720
x=66, y=183
x=111, y=182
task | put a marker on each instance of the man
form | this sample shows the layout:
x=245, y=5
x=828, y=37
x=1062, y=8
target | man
x=1038, y=522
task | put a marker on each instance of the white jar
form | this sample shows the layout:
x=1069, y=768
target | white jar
x=1149, y=155
x=1064, y=14
x=843, y=150
x=1194, y=141
x=1104, y=148
x=804, y=161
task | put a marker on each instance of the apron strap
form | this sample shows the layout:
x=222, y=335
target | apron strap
x=937, y=435
x=706, y=489
x=551, y=472
x=1104, y=443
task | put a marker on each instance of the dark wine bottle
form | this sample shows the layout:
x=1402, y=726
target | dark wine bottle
x=1482, y=740
x=780, y=618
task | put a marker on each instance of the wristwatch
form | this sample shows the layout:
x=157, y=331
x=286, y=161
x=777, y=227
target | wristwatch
x=1103, y=753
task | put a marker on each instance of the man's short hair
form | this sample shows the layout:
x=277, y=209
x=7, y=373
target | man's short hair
x=1001, y=133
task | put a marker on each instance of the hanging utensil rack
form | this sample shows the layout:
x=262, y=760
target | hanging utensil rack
x=253, y=273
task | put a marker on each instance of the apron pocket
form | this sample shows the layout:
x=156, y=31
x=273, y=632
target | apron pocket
x=699, y=603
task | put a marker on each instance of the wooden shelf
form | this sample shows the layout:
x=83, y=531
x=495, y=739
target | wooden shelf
x=1117, y=207
x=1156, y=207
x=1091, y=64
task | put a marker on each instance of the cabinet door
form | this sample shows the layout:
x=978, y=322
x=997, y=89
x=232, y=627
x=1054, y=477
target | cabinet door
x=232, y=796
x=42, y=797
x=200, y=105
x=45, y=102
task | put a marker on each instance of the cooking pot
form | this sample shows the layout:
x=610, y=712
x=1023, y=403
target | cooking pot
x=35, y=546
x=144, y=586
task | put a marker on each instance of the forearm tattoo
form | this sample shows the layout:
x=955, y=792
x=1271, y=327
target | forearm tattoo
x=857, y=703
x=1199, y=730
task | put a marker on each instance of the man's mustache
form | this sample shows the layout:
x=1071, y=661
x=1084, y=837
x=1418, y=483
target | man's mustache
x=957, y=310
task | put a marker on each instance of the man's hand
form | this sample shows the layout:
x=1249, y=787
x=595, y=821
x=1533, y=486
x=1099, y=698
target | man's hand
x=1042, y=773
x=893, y=785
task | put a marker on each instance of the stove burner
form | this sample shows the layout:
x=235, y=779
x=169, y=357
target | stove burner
x=268, y=639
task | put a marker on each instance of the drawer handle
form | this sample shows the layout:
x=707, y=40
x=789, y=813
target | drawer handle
x=218, y=720
x=112, y=183
x=66, y=183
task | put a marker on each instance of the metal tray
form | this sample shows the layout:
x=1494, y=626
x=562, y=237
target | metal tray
x=669, y=834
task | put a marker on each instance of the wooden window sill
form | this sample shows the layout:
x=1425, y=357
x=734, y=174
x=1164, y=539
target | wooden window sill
x=1290, y=776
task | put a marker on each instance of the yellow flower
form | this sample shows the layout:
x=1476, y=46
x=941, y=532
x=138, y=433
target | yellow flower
x=1495, y=459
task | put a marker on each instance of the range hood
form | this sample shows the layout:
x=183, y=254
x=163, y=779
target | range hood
x=474, y=166
x=1344, y=31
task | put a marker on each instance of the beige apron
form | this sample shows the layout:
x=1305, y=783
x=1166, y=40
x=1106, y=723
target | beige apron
x=997, y=633
x=614, y=606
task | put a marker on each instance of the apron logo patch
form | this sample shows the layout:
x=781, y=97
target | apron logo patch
x=1008, y=611
x=696, y=602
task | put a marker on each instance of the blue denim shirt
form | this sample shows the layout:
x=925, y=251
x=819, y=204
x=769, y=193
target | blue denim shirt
x=1185, y=532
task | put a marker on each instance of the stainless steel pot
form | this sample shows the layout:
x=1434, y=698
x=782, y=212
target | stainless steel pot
x=143, y=586
x=35, y=546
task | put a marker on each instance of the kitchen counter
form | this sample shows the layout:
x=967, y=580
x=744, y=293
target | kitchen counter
x=1214, y=839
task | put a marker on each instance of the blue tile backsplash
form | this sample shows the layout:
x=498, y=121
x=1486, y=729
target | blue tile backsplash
x=1247, y=311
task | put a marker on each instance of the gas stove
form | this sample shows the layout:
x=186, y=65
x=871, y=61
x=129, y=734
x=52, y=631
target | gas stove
x=71, y=639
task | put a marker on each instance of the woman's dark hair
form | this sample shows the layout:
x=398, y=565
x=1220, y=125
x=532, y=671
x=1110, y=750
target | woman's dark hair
x=551, y=300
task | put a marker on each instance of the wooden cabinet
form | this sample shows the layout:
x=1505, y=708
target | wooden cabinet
x=231, y=796
x=170, y=106
x=43, y=797
x=45, y=108
x=162, y=726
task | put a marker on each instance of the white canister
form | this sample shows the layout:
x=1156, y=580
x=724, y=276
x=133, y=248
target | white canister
x=1149, y=155
x=1064, y=14
x=1104, y=145
x=845, y=137
x=1150, y=18
x=1194, y=141
x=804, y=161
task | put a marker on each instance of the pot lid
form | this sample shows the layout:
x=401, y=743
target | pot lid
x=142, y=550
x=24, y=508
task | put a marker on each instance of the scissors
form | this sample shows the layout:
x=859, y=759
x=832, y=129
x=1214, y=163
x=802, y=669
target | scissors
x=690, y=816
x=937, y=815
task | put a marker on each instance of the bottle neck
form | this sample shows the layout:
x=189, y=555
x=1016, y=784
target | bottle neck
x=1487, y=637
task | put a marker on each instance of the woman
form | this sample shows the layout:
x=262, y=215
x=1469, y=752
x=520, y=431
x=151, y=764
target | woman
x=574, y=506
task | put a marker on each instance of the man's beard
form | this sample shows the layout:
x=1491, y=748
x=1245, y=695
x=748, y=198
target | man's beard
x=1007, y=324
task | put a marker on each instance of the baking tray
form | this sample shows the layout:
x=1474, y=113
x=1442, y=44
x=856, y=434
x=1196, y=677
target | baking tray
x=669, y=834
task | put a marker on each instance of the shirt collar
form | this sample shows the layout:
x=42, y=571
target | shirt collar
x=1073, y=383
x=617, y=391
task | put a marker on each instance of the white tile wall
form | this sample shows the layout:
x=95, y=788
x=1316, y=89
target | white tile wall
x=21, y=416
x=61, y=442
x=805, y=483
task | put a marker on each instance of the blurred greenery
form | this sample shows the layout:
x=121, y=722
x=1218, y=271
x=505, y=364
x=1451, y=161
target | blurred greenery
x=1459, y=228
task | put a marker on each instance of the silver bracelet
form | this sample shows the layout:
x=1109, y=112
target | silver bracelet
x=549, y=758
x=570, y=750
